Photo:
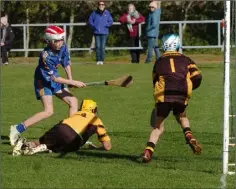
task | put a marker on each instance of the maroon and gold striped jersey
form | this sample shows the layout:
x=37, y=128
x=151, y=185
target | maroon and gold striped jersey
x=86, y=124
x=174, y=78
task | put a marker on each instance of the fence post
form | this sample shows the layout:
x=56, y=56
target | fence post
x=140, y=33
x=64, y=28
x=181, y=37
x=219, y=33
x=24, y=37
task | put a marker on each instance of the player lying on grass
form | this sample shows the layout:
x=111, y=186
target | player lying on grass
x=174, y=78
x=68, y=135
x=47, y=81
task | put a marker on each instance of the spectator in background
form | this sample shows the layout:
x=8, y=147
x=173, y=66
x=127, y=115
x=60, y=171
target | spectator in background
x=100, y=20
x=152, y=30
x=132, y=18
x=7, y=37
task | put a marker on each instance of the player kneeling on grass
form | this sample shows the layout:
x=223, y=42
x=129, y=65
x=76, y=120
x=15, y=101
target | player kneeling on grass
x=174, y=78
x=70, y=134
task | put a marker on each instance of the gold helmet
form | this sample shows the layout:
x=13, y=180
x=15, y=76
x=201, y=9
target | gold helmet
x=88, y=106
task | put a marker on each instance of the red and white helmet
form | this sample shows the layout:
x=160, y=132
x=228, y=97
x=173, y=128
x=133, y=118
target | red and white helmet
x=52, y=33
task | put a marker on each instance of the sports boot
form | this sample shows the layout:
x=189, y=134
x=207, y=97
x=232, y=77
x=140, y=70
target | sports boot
x=194, y=145
x=14, y=135
x=147, y=156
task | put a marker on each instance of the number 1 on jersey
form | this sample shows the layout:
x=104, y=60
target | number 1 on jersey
x=172, y=65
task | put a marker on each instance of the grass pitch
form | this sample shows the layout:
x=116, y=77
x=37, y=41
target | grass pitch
x=126, y=114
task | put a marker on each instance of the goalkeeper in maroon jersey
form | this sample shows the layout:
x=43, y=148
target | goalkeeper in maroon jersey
x=70, y=134
x=174, y=78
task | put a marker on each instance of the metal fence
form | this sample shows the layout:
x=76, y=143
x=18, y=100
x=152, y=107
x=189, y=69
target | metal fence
x=180, y=24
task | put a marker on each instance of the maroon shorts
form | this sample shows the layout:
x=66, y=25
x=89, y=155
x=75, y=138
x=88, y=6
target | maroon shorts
x=61, y=138
x=164, y=108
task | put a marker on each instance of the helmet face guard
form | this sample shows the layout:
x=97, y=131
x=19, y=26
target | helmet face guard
x=171, y=42
x=88, y=106
x=53, y=33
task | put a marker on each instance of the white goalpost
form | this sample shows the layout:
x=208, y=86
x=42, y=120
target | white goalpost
x=228, y=137
x=226, y=88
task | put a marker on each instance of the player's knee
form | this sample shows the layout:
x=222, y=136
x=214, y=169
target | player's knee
x=73, y=102
x=182, y=119
x=158, y=129
x=180, y=116
x=48, y=113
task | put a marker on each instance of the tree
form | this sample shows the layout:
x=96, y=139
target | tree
x=78, y=11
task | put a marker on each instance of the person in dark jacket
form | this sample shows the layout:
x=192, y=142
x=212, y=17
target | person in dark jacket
x=7, y=37
x=152, y=30
x=100, y=20
x=132, y=18
x=175, y=76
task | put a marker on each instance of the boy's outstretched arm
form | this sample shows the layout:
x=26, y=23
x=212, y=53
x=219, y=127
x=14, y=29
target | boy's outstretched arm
x=74, y=83
x=105, y=146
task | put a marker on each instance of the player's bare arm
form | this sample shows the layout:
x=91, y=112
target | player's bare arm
x=68, y=72
x=74, y=83
x=105, y=146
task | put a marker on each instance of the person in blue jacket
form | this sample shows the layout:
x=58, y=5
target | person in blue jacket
x=100, y=20
x=47, y=81
x=152, y=31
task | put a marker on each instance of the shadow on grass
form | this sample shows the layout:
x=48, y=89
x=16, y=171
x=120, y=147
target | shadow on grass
x=3, y=137
x=163, y=162
x=107, y=155
x=5, y=140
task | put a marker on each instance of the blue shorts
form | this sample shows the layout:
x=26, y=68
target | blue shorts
x=41, y=89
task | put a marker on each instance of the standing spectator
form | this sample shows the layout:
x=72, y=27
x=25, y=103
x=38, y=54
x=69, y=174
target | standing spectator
x=174, y=78
x=100, y=20
x=7, y=37
x=132, y=19
x=152, y=30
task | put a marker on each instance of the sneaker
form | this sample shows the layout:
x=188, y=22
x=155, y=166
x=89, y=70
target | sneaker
x=6, y=63
x=146, y=156
x=98, y=62
x=195, y=146
x=14, y=135
x=101, y=63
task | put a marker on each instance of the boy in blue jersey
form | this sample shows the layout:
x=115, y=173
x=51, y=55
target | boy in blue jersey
x=47, y=81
